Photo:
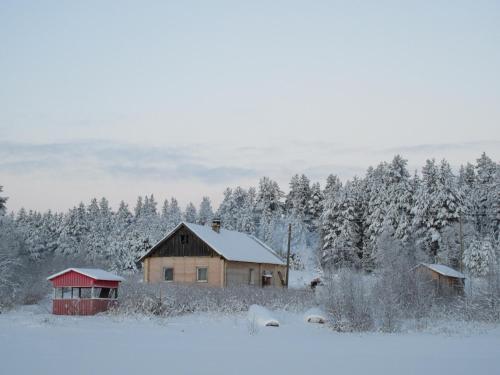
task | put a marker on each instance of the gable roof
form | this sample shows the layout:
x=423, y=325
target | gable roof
x=444, y=270
x=94, y=273
x=230, y=244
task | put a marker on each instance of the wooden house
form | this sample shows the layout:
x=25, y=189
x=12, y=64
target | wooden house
x=83, y=291
x=447, y=281
x=212, y=256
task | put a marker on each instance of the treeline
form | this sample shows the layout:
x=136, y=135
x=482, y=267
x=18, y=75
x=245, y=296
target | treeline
x=428, y=216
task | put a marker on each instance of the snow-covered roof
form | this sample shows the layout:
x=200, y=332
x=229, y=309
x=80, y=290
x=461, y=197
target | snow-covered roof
x=94, y=273
x=232, y=245
x=444, y=270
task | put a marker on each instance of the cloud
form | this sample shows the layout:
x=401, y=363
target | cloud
x=121, y=160
x=477, y=146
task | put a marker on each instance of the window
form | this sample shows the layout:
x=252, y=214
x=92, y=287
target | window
x=168, y=274
x=184, y=239
x=202, y=274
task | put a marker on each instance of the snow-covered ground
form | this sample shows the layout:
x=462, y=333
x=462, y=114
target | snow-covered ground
x=35, y=342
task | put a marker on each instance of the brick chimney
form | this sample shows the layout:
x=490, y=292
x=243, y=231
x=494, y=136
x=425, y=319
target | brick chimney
x=216, y=225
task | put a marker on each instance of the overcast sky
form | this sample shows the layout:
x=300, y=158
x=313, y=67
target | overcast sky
x=121, y=98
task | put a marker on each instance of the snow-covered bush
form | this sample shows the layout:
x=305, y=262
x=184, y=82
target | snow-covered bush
x=347, y=299
x=177, y=299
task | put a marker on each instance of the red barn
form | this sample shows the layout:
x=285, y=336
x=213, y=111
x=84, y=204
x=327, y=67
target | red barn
x=84, y=291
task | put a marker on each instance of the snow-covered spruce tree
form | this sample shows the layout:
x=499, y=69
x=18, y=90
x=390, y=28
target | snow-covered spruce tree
x=486, y=196
x=315, y=207
x=34, y=236
x=174, y=214
x=376, y=183
x=97, y=238
x=205, y=213
x=164, y=216
x=450, y=199
x=298, y=198
x=247, y=217
x=298, y=215
x=117, y=251
x=438, y=204
x=190, y=214
x=479, y=256
x=148, y=222
x=74, y=232
x=3, y=201
x=340, y=230
x=269, y=209
x=127, y=253
x=138, y=209
x=399, y=198
x=226, y=212
x=239, y=198
x=11, y=248
x=329, y=221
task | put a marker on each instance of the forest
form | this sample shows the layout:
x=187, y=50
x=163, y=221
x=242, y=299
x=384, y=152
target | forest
x=436, y=215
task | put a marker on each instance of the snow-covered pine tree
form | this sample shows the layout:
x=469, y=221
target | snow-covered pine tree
x=205, y=213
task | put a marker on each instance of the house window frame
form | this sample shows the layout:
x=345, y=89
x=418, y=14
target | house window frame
x=198, y=274
x=184, y=239
x=164, y=275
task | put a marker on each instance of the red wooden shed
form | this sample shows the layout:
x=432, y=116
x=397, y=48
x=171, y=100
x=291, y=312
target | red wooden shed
x=84, y=291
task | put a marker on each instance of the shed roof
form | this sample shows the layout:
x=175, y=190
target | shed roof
x=444, y=270
x=94, y=273
x=232, y=245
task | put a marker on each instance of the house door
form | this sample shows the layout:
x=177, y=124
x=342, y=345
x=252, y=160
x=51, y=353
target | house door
x=267, y=280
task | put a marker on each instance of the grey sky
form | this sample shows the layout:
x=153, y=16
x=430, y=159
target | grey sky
x=185, y=98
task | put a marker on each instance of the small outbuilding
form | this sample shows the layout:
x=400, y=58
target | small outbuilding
x=447, y=280
x=84, y=291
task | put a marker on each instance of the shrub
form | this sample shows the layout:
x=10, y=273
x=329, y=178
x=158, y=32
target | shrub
x=177, y=299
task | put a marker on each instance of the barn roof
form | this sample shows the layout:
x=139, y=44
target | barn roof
x=444, y=270
x=94, y=273
x=232, y=245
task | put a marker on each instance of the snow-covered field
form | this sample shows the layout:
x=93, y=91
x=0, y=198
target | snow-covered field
x=35, y=342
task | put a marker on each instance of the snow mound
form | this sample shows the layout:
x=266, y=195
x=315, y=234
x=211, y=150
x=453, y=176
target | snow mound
x=315, y=315
x=262, y=316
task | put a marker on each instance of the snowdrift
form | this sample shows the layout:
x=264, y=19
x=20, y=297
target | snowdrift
x=315, y=315
x=262, y=316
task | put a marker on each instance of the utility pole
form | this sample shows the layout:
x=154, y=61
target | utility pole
x=288, y=253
